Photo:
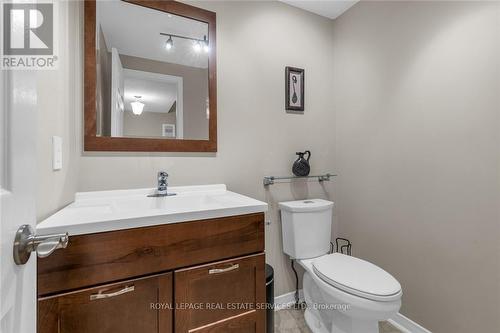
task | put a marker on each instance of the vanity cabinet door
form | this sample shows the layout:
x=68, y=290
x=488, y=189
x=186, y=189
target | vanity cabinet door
x=226, y=296
x=135, y=306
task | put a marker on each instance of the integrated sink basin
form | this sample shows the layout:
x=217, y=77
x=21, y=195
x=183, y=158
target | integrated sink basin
x=94, y=212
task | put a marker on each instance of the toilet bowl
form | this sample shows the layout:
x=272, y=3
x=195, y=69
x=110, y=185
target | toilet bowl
x=343, y=294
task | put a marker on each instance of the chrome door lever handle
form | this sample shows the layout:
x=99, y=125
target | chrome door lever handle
x=26, y=242
x=45, y=245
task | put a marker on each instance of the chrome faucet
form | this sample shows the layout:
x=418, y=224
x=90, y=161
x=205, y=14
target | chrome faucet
x=162, y=183
x=161, y=190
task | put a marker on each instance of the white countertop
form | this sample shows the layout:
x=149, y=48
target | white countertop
x=102, y=211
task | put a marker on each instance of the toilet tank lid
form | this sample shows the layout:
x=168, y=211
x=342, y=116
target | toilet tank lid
x=307, y=205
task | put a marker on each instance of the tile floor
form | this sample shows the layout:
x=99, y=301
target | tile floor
x=292, y=321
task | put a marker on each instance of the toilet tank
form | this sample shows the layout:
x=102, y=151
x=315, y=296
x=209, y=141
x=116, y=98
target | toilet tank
x=306, y=226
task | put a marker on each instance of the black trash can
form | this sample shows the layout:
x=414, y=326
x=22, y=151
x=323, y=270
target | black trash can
x=269, y=299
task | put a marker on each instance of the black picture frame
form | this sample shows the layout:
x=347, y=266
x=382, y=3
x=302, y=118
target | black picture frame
x=294, y=89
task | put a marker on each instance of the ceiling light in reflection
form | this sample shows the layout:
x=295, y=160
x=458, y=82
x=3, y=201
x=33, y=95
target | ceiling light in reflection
x=137, y=106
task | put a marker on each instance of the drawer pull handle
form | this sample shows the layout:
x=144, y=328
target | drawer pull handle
x=223, y=270
x=100, y=295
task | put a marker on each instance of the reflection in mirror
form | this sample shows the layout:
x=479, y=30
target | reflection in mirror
x=152, y=73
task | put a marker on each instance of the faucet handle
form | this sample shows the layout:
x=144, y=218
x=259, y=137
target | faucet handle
x=162, y=182
x=162, y=178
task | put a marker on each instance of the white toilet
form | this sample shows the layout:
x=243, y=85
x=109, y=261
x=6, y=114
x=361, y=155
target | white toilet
x=344, y=294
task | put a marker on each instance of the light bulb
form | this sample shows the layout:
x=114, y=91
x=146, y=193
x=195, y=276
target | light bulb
x=170, y=43
x=206, y=48
x=197, y=46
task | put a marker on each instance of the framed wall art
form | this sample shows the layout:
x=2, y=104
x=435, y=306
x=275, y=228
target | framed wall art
x=294, y=89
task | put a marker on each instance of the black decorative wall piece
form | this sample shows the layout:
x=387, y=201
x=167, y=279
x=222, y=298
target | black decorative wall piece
x=301, y=167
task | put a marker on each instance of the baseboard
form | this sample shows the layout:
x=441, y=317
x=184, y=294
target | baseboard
x=406, y=325
x=286, y=300
x=402, y=323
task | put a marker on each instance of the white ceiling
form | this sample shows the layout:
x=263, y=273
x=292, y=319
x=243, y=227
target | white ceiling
x=135, y=30
x=327, y=8
x=158, y=92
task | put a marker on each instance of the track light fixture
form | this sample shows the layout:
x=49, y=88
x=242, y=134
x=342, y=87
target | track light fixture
x=198, y=44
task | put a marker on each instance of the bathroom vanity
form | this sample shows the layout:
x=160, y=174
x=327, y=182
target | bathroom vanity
x=193, y=262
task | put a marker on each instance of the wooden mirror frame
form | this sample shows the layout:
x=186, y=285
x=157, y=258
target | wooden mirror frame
x=92, y=142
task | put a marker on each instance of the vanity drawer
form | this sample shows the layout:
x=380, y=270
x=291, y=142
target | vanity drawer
x=141, y=305
x=99, y=258
x=226, y=296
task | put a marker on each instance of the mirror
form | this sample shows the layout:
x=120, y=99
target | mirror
x=152, y=68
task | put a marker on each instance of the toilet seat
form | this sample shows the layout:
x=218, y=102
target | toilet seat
x=357, y=277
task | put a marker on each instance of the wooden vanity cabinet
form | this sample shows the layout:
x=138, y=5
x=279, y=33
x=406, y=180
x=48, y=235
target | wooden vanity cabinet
x=226, y=296
x=199, y=276
x=140, y=305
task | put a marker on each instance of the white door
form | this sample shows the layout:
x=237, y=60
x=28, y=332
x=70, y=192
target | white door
x=17, y=197
x=117, y=94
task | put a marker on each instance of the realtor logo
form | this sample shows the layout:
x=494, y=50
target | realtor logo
x=28, y=36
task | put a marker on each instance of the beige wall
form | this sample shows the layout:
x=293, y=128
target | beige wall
x=148, y=124
x=194, y=91
x=407, y=115
x=60, y=112
x=417, y=100
x=256, y=137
